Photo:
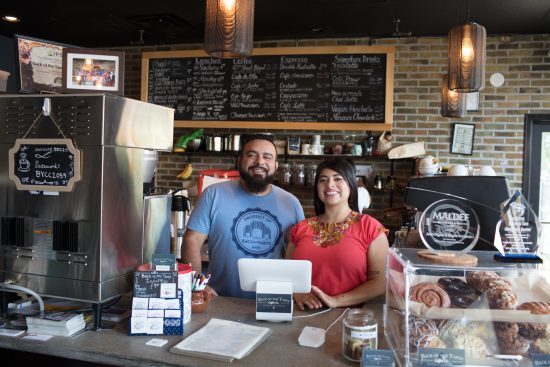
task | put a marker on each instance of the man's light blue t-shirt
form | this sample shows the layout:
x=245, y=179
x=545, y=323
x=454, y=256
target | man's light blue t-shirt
x=238, y=225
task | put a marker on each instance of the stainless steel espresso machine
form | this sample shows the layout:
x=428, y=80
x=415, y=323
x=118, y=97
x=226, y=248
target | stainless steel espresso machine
x=83, y=243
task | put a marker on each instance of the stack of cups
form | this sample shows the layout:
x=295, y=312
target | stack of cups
x=316, y=147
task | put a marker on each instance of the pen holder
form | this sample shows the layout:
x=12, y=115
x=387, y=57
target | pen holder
x=200, y=300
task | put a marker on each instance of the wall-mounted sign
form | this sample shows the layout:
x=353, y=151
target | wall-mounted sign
x=44, y=164
x=320, y=88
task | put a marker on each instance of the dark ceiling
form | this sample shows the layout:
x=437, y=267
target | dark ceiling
x=116, y=23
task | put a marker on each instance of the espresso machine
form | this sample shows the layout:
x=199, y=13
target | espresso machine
x=81, y=243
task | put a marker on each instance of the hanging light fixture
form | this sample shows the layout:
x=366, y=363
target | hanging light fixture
x=229, y=28
x=453, y=104
x=467, y=56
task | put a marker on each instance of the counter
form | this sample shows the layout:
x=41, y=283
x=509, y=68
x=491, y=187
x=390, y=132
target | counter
x=115, y=347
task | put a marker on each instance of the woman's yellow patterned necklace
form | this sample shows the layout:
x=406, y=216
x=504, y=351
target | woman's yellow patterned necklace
x=327, y=234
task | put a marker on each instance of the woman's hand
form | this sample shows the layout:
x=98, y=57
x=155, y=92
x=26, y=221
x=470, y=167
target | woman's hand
x=307, y=299
x=327, y=300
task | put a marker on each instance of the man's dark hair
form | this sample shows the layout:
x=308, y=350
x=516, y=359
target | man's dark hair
x=248, y=137
x=346, y=168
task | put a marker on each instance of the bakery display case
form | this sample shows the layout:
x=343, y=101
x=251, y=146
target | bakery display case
x=495, y=313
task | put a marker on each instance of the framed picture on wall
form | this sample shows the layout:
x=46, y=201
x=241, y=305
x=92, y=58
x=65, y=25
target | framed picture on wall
x=92, y=71
x=462, y=141
x=39, y=65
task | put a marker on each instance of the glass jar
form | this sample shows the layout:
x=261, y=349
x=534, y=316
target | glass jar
x=310, y=174
x=284, y=174
x=298, y=175
x=360, y=331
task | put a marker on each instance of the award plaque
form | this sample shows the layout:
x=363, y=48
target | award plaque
x=449, y=226
x=518, y=230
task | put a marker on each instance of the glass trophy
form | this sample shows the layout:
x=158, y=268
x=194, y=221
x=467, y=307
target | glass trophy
x=449, y=226
x=518, y=231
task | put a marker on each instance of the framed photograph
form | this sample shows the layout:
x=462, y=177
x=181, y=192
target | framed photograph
x=463, y=138
x=39, y=65
x=93, y=71
x=472, y=101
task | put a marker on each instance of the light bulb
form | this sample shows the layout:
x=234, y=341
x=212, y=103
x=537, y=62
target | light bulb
x=467, y=52
x=228, y=6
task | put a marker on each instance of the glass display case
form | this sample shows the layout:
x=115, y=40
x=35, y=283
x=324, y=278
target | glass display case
x=495, y=313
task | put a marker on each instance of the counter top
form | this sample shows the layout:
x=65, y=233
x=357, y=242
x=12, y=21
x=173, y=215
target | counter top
x=115, y=347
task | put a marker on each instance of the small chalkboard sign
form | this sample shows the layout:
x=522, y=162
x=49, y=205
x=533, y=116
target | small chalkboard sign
x=540, y=360
x=279, y=303
x=44, y=164
x=377, y=357
x=148, y=284
x=436, y=357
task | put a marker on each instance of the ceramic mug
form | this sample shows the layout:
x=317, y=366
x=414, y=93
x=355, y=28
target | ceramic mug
x=458, y=170
x=429, y=170
x=200, y=300
x=486, y=171
x=306, y=149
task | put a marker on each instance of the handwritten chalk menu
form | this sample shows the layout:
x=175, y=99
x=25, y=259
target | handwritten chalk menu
x=317, y=88
x=44, y=164
x=151, y=284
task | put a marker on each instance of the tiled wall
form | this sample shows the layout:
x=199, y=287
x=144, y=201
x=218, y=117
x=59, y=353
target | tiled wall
x=419, y=66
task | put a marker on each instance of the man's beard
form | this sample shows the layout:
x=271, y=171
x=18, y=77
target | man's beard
x=255, y=183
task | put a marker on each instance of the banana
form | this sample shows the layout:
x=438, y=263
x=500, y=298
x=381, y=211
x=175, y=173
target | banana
x=186, y=172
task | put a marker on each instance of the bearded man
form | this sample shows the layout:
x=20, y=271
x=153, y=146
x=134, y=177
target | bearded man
x=245, y=218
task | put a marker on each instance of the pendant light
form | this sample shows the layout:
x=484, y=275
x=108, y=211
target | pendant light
x=229, y=28
x=453, y=104
x=467, y=56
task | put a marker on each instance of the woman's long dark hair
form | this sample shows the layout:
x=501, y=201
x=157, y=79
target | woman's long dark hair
x=346, y=168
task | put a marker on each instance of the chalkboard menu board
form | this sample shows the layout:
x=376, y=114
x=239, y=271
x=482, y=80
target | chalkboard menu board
x=322, y=88
x=44, y=164
x=149, y=284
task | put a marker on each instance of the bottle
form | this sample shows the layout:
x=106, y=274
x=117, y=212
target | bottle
x=360, y=331
x=284, y=174
x=180, y=204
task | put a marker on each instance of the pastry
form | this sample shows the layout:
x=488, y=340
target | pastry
x=533, y=330
x=509, y=340
x=459, y=336
x=537, y=308
x=502, y=298
x=421, y=332
x=541, y=345
x=481, y=280
x=461, y=294
x=430, y=294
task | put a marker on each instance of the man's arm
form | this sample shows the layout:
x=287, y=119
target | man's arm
x=191, y=248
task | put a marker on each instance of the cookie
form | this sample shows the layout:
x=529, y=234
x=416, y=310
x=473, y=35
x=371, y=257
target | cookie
x=461, y=294
x=481, y=280
x=502, y=298
x=531, y=330
x=430, y=294
x=508, y=338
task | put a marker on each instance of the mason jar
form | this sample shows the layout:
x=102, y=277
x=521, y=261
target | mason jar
x=298, y=175
x=310, y=174
x=360, y=331
x=284, y=174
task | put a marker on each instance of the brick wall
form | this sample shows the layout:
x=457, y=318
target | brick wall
x=419, y=66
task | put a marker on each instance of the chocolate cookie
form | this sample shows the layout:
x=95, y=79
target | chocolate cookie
x=531, y=330
x=461, y=294
x=481, y=280
x=430, y=294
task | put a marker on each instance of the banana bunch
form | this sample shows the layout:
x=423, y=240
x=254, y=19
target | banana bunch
x=186, y=172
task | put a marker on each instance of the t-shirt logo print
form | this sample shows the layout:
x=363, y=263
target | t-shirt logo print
x=256, y=232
